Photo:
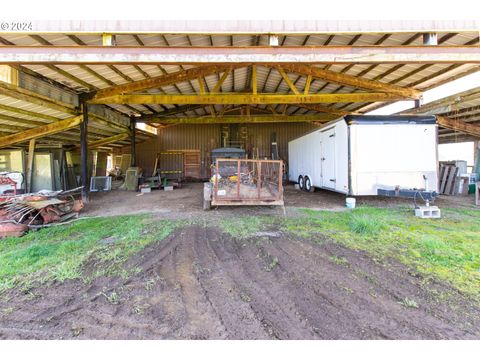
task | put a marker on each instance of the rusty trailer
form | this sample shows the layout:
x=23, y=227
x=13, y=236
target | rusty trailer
x=245, y=182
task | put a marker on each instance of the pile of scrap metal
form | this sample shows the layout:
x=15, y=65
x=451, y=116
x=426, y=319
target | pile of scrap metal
x=20, y=213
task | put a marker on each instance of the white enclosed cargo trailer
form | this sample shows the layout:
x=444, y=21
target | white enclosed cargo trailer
x=367, y=155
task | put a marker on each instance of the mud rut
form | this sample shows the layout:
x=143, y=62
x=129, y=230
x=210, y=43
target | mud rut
x=201, y=284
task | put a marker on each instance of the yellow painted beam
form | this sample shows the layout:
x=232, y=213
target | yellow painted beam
x=289, y=82
x=254, y=79
x=221, y=80
x=239, y=98
x=246, y=119
x=307, y=84
x=40, y=131
x=349, y=80
x=163, y=80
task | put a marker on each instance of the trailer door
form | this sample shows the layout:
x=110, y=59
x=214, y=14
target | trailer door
x=328, y=159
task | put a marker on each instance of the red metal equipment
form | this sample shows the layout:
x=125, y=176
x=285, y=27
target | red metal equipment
x=5, y=180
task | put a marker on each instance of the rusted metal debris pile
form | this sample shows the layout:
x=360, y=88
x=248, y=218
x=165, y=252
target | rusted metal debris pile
x=20, y=213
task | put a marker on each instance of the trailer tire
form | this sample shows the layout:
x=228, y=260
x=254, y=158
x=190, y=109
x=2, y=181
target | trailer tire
x=308, y=185
x=301, y=182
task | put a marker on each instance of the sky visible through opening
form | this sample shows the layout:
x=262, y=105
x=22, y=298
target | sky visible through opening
x=454, y=151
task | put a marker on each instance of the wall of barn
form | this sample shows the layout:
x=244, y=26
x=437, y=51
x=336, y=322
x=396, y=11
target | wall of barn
x=208, y=137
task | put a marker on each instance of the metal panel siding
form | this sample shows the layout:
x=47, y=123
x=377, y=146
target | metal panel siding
x=208, y=137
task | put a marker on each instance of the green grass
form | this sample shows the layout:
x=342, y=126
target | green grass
x=60, y=253
x=243, y=227
x=446, y=248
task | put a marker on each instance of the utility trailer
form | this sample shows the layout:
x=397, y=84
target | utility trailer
x=369, y=155
x=244, y=182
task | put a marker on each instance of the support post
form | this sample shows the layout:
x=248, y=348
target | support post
x=84, y=152
x=31, y=151
x=133, y=123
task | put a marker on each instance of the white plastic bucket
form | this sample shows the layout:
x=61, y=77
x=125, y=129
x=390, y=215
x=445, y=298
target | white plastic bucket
x=350, y=203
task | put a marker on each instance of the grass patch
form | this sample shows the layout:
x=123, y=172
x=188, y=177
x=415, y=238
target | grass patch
x=60, y=253
x=243, y=227
x=447, y=248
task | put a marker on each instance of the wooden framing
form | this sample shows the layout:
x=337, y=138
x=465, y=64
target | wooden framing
x=229, y=119
x=257, y=54
x=459, y=125
x=238, y=98
x=353, y=81
x=40, y=131
x=163, y=80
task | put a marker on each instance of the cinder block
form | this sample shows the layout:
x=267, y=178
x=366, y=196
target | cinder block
x=428, y=212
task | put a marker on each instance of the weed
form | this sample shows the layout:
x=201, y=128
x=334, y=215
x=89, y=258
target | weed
x=140, y=309
x=409, y=303
x=76, y=331
x=273, y=263
x=8, y=311
x=112, y=298
x=245, y=297
x=149, y=284
x=339, y=260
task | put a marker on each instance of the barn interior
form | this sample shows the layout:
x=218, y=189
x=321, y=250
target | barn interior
x=144, y=110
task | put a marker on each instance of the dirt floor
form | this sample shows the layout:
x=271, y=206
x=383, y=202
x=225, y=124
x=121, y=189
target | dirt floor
x=199, y=283
x=186, y=202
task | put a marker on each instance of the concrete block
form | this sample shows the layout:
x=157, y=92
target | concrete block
x=168, y=188
x=428, y=212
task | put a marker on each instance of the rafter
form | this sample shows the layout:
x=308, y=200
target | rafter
x=40, y=131
x=350, y=80
x=238, y=98
x=164, y=80
x=458, y=125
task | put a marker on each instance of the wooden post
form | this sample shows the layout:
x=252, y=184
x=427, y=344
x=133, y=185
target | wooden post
x=84, y=152
x=31, y=151
x=133, y=123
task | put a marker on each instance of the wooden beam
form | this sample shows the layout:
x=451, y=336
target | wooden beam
x=459, y=125
x=353, y=81
x=445, y=104
x=40, y=131
x=254, y=79
x=163, y=80
x=220, y=82
x=287, y=80
x=19, y=93
x=238, y=98
x=228, y=119
x=108, y=140
x=324, y=109
x=308, y=82
x=257, y=54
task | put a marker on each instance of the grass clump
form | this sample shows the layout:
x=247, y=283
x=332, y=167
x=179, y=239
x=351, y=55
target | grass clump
x=243, y=227
x=363, y=224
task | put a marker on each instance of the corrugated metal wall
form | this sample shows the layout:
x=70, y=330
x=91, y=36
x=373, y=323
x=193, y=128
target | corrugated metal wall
x=208, y=137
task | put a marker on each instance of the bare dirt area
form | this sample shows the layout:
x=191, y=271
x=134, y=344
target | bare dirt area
x=186, y=202
x=200, y=283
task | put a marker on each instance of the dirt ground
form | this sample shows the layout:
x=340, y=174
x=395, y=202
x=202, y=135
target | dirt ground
x=186, y=202
x=199, y=283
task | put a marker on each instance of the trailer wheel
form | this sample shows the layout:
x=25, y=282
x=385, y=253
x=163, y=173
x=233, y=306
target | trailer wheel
x=301, y=183
x=308, y=185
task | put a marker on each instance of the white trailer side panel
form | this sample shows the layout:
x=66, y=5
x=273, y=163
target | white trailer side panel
x=305, y=156
x=388, y=155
